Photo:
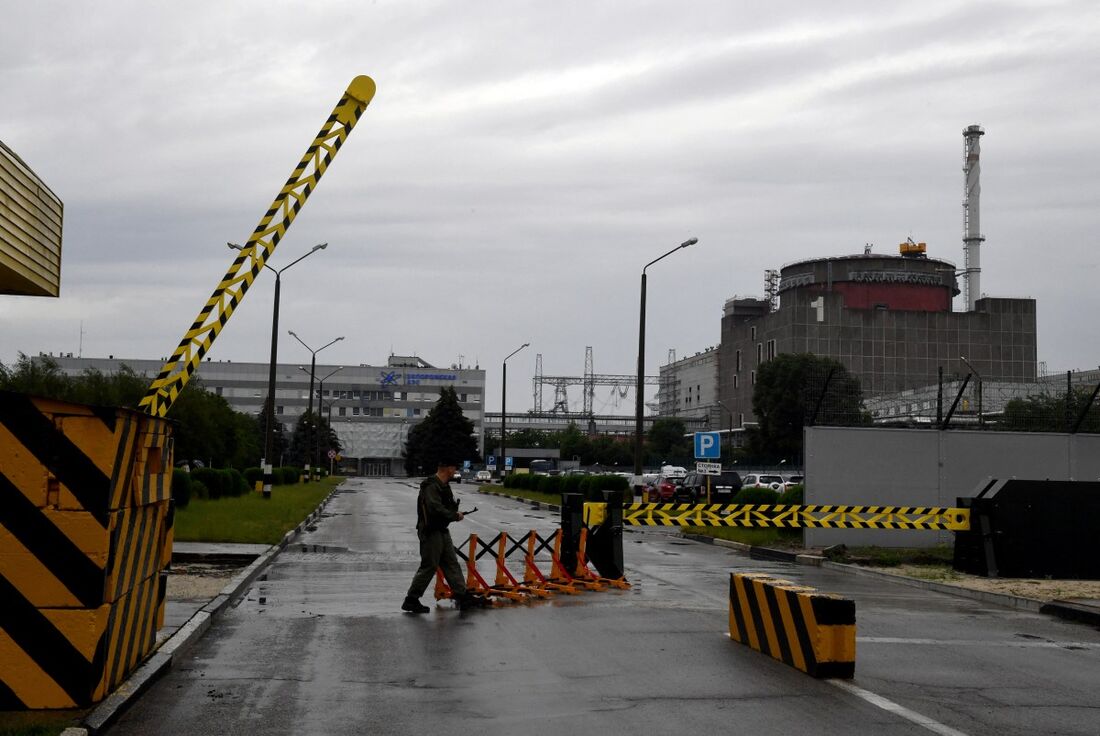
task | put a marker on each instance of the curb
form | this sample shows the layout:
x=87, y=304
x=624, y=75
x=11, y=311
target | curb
x=1072, y=611
x=161, y=660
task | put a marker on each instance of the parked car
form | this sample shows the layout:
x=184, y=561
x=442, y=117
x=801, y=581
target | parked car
x=774, y=482
x=483, y=476
x=792, y=481
x=722, y=487
x=457, y=477
x=663, y=489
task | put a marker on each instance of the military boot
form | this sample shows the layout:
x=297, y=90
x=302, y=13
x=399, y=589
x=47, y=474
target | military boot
x=412, y=605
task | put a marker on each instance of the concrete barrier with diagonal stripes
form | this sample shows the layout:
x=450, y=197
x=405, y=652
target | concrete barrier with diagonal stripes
x=811, y=631
x=85, y=535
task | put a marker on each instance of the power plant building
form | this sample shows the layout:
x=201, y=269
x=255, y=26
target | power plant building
x=888, y=319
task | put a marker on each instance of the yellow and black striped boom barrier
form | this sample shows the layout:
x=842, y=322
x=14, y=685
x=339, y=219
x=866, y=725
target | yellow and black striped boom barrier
x=261, y=244
x=811, y=631
x=788, y=516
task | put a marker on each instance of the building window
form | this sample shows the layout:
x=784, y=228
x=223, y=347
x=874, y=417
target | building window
x=416, y=412
x=342, y=411
x=738, y=361
x=741, y=420
x=736, y=381
x=218, y=390
x=278, y=410
x=753, y=334
x=462, y=397
x=759, y=352
x=771, y=349
x=753, y=377
x=355, y=410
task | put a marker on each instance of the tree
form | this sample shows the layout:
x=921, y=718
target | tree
x=572, y=443
x=445, y=434
x=789, y=388
x=1047, y=413
x=667, y=442
x=307, y=447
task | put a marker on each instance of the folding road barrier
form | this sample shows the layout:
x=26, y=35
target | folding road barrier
x=536, y=583
x=811, y=631
x=85, y=535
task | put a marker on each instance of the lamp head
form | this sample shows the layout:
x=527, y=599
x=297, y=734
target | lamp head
x=320, y=246
x=689, y=241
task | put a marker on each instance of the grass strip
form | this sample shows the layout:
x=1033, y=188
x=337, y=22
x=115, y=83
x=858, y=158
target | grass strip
x=554, y=498
x=251, y=518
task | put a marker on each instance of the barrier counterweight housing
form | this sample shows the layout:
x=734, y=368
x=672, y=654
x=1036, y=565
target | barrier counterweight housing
x=85, y=536
x=808, y=630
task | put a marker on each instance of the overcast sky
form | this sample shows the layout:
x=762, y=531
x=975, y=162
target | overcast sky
x=522, y=161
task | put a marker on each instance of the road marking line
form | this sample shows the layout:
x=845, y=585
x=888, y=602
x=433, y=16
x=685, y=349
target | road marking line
x=891, y=706
x=981, y=643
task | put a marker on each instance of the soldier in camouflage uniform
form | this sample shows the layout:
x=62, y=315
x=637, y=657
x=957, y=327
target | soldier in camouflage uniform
x=436, y=508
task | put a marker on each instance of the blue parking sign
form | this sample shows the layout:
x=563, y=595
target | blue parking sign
x=707, y=445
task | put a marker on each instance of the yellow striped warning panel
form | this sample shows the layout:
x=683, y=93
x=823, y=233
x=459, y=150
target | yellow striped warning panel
x=787, y=516
x=85, y=530
x=810, y=631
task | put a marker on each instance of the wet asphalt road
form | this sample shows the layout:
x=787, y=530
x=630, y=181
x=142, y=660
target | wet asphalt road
x=320, y=647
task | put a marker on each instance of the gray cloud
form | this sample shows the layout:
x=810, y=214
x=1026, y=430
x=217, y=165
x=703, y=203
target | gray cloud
x=522, y=161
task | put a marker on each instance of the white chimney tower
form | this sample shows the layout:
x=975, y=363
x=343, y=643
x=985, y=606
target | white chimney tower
x=972, y=222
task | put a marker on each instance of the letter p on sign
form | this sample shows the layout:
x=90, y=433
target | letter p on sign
x=707, y=445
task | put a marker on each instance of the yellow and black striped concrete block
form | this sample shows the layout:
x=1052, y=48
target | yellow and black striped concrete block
x=85, y=530
x=72, y=657
x=811, y=631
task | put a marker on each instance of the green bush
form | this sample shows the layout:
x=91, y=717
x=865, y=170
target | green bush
x=211, y=479
x=593, y=486
x=549, y=484
x=181, y=487
x=793, y=496
x=252, y=476
x=287, y=475
x=234, y=481
x=199, y=489
x=756, y=496
x=572, y=483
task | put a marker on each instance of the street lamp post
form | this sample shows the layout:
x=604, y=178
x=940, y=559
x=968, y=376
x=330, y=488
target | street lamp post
x=312, y=373
x=269, y=429
x=729, y=435
x=641, y=363
x=503, y=399
x=981, y=419
x=320, y=409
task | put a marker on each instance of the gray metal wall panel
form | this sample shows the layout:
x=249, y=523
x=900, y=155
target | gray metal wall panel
x=1084, y=453
x=920, y=467
x=867, y=466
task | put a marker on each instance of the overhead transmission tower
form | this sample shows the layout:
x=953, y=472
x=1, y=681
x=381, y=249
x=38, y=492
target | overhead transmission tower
x=588, y=382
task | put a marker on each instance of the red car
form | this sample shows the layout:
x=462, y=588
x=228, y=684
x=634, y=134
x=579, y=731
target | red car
x=663, y=490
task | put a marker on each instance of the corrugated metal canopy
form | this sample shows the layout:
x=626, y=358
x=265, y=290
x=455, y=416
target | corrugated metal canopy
x=30, y=230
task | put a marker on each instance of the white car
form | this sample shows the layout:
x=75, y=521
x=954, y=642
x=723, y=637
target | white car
x=483, y=476
x=774, y=482
x=457, y=477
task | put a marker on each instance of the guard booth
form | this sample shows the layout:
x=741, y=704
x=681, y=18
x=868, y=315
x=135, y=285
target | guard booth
x=85, y=539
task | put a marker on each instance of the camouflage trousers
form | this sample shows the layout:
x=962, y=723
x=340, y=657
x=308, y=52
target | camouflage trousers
x=437, y=551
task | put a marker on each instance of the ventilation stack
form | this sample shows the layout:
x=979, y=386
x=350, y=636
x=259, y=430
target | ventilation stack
x=972, y=230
